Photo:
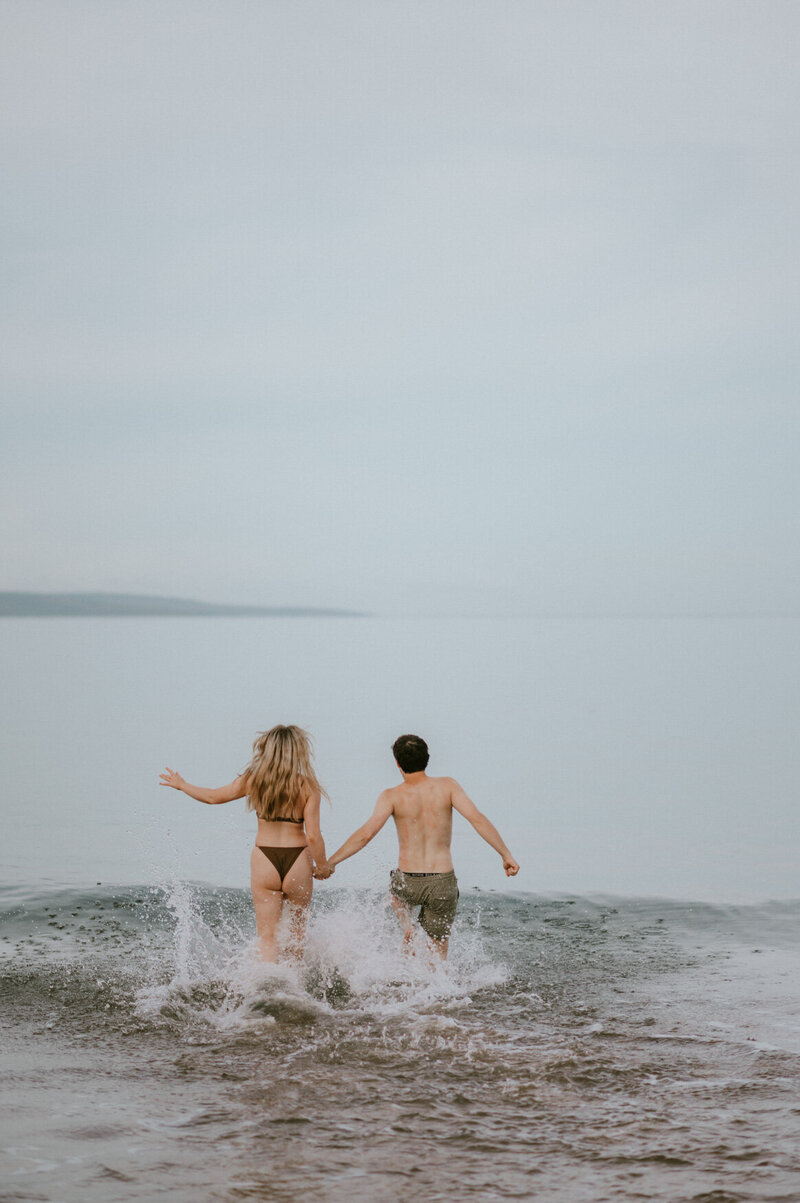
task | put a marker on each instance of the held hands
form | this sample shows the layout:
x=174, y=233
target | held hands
x=171, y=778
x=510, y=865
x=323, y=871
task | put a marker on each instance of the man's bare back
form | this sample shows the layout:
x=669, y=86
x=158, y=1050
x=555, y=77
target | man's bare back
x=422, y=808
x=423, y=814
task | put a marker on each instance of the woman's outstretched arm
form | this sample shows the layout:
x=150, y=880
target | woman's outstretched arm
x=213, y=797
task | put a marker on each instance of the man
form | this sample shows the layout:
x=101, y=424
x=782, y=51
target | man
x=422, y=809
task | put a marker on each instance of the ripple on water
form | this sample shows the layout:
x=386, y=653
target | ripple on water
x=560, y=1043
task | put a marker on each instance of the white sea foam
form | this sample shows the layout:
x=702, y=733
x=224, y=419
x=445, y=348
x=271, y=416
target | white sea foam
x=641, y=1035
x=354, y=955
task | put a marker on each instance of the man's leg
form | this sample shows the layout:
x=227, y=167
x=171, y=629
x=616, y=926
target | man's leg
x=438, y=911
x=406, y=919
x=438, y=947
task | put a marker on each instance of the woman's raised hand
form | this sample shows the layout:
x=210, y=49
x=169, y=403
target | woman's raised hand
x=170, y=777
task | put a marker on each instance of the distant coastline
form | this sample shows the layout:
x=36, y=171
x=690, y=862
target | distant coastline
x=134, y=605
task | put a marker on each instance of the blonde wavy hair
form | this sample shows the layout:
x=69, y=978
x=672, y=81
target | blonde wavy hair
x=280, y=774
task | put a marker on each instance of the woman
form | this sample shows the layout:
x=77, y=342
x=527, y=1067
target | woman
x=282, y=788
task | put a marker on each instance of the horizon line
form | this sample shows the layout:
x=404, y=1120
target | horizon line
x=106, y=604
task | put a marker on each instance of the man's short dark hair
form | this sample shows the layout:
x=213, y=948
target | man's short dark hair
x=411, y=753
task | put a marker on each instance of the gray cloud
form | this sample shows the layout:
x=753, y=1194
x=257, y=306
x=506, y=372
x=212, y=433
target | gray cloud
x=402, y=307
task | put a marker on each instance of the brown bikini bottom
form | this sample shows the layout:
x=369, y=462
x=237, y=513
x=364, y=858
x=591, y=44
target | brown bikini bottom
x=282, y=858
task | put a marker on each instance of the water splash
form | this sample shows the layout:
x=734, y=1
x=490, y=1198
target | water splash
x=354, y=960
x=640, y=1035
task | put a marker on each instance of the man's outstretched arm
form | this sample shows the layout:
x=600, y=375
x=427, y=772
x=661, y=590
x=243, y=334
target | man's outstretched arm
x=359, y=839
x=466, y=807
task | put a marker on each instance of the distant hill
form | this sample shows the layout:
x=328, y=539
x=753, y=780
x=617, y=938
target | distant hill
x=134, y=605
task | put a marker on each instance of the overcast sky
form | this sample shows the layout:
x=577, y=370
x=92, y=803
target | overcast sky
x=406, y=307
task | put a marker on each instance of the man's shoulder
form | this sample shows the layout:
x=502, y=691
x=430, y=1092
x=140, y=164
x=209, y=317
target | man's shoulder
x=440, y=789
x=444, y=783
x=434, y=789
x=427, y=780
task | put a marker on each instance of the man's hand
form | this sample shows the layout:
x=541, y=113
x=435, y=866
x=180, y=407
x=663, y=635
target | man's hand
x=510, y=865
x=322, y=872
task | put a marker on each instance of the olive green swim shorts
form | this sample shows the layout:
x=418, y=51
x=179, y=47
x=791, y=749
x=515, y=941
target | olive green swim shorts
x=436, y=895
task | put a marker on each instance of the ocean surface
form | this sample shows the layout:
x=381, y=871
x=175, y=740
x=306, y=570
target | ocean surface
x=623, y=756
x=572, y=1049
x=619, y=1022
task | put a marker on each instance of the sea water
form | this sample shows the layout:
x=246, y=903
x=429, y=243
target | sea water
x=619, y=1022
x=571, y=1049
x=642, y=757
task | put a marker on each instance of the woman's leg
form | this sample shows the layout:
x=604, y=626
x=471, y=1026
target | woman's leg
x=265, y=886
x=298, y=885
